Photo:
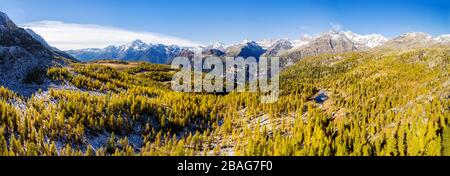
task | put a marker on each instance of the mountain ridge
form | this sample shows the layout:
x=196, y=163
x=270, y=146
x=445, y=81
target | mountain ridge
x=289, y=49
x=24, y=58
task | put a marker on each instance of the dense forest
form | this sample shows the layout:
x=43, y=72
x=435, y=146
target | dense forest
x=371, y=103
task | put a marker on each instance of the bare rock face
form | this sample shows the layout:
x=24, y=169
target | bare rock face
x=410, y=40
x=326, y=43
x=245, y=49
x=279, y=47
x=11, y=35
x=23, y=59
x=55, y=50
x=443, y=39
x=366, y=41
x=134, y=51
x=214, y=52
x=215, y=49
x=6, y=23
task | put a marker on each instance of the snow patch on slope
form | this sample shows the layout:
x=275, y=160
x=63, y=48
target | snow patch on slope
x=370, y=41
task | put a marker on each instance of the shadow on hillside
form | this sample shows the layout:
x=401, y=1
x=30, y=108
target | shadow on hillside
x=26, y=90
x=321, y=97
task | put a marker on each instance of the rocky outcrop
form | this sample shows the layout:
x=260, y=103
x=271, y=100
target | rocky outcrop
x=325, y=43
x=23, y=59
x=414, y=40
x=133, y=51
x=55, y=50
x=245, y=49
x=279, y=47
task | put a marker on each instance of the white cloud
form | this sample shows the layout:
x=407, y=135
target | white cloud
x=67, y=36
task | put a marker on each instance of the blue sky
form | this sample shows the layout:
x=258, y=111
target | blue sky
x=206, y=21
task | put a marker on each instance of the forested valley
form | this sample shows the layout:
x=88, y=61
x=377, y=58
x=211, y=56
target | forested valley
x=368, y=103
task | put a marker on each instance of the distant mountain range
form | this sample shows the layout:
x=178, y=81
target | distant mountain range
x=133, y=51
x=289, y=50
x=16, y=42
x=24, y=55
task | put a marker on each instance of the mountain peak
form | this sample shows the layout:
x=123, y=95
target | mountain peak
x=411, y=40
x=419, y=36
x=136, y=45
x=279, y=46
x=3, y=16
x=366, y=41
x=245, y=42
x=306, y=37
x=218, y=44
x=333, y=35
x=252, y=43
x=138, y=42
x=22, y=55
x=37, y=37
x=415, y=34
x=334, y=31
x=215, y=46
x=5, y=22
x=268, y=43
x=444, y=39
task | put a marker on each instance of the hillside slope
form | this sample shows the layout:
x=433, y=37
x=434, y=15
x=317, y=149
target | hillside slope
x=23, y=59
x=357, y=103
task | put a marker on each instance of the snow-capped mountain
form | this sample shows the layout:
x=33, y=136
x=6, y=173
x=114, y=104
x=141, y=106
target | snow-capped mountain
x=137, y=45
x=216, y=45
x=133, y=51
x=304, y=40
x=245, y=49
x=443, y=39
x=414, y=37
x=276, y=47
x=325, y=43
x=267, y=43
x=366, y=41
x=279, y=47
x=410, y=40
x=216, y=49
